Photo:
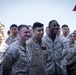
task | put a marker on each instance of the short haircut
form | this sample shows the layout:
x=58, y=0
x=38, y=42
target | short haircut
x=65, y=25
x=13, y=25
x=37, y=24
x=52, y=22
x=21, y=26
x=74, y=31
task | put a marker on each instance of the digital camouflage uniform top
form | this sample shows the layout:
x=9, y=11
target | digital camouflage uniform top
x=11, y=39
x=54, y=56
x=69, y=53
x=17, y=59
x=3, y=48
x=38, y=60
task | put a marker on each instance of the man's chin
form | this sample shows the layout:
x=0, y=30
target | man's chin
x=41, y=36
x=55, y=33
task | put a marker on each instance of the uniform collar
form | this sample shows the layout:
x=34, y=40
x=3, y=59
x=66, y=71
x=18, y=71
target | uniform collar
x=22, y=47
x=49, y=39
x=36, y=40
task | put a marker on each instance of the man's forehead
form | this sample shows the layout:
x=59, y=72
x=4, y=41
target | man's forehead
x=13, y=27
x=54, y=23
x=40, y=27
x=24, y=28
x=65, y=28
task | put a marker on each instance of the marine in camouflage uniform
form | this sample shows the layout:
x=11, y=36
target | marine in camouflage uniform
x=54, y=56
x=18, y=55
x=13, y=34
x=54, y=53
x=70, y=55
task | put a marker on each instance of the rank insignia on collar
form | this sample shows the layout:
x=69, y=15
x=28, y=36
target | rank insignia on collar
x=36, y=47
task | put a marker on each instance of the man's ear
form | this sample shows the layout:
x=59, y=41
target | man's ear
x=33, y=30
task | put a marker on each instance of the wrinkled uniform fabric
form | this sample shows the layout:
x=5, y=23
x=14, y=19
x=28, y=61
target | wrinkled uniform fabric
x=3, y=48
x=10, y=40
x=38, y=61
x=17, y=58
x=64, y=39
x=70, y=54
x=54, y=56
